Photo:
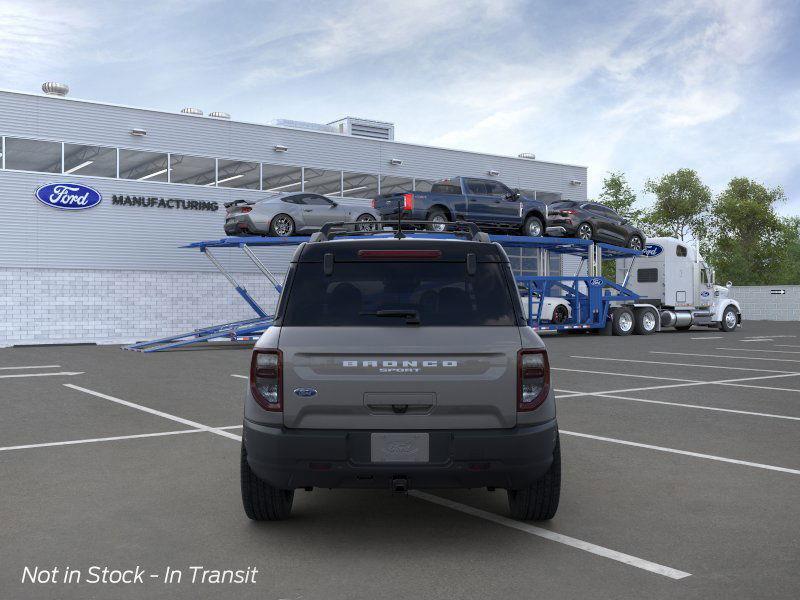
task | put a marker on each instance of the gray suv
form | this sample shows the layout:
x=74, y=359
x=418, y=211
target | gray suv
x=399, y=363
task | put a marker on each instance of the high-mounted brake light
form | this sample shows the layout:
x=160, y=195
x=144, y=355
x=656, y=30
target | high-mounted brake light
x=266, y=379
x=408, y=201
x=399, y=254
x=533, y=379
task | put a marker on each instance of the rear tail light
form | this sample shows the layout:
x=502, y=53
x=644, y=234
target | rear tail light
x=534, y=379
x=266, y=379
x=408, y=201
x=374, y=203
x=246, y=209
x=568, y=212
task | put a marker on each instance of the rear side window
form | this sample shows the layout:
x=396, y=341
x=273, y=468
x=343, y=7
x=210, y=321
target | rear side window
x=446, y=187
x=440, y=293
x=681, y=251
x=647, y=275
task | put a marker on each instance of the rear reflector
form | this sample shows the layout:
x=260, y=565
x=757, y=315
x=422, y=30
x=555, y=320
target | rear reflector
x=400, y=254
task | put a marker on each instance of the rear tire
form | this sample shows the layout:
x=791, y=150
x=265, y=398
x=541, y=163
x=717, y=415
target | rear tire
x=533, y=227
x=636, y=243
x=560, y=314
x=281, y=226
x=440, y=219
x=623, y=322
x=539, y=501
x=261, y=501
x=366, y=222
x=645, y=323
x=584, y=232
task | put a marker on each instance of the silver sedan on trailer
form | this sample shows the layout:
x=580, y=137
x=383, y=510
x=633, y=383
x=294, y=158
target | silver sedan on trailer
x=286, y=214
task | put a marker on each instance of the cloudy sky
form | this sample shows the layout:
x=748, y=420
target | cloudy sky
x=641, y=87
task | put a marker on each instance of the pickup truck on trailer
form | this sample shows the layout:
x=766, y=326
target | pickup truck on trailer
x=490, y=204
x=400, y=363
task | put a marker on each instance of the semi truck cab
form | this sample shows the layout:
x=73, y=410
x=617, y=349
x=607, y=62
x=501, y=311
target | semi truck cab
x=672, y=276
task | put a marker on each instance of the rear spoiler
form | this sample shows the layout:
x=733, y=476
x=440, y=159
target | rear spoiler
x=237, y=203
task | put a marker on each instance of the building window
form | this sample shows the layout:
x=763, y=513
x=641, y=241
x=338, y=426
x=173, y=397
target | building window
x=97, y=161
x=280, y=178
x=320, y=181
x=143, y=166
x=237, y=174
x=396, y=185
x=423, y=185
x=359, y=185
x=33, y=155
x=194, y=170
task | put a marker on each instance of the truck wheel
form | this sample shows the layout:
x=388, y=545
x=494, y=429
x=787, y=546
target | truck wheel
x=539, y=501
x=645, y=322
x=533, y=227
x=262, y=502
x=623, y=322
x=729, y=320
x=439, y=218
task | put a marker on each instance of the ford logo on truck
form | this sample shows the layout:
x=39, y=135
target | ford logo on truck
x=68, y=196
x=652, y=250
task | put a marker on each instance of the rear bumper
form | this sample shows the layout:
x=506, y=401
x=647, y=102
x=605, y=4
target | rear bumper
x=244, y=225
x=296, y=458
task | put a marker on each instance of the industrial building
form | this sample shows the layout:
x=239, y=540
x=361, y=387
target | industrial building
x=116, y=272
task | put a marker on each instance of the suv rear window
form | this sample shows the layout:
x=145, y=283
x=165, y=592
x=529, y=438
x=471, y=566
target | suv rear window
x=441, y=293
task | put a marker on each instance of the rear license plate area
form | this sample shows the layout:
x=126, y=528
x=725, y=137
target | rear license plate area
x=400, y=447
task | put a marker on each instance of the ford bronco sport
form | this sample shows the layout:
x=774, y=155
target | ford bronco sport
x=400, y=362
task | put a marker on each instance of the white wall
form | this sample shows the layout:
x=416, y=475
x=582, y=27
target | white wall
x=759, y=303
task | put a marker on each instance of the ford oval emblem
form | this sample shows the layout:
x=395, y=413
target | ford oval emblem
x=705, y=294
x=652, y=250
x=68, y=196
x=305, y=392
x=596, y=281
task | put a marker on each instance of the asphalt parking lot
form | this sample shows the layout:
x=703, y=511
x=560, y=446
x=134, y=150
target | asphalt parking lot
x=681, y=456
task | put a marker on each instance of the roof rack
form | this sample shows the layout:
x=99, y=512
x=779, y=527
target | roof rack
x=463, y=229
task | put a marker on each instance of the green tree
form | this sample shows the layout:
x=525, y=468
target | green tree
x=618, y=195
x=749, y=243
x=681, y=205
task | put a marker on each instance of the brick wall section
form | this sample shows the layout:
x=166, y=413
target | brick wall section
x=47, y=306
x=759, y=304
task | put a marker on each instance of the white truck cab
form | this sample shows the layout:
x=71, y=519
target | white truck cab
x=672, y=276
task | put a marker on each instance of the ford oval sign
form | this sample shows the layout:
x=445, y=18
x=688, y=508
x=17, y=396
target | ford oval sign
x=652, y=250
x=596, y=282
x=305, y=392
x=68, y=196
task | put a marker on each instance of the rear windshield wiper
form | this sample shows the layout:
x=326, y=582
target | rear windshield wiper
x=412, y=316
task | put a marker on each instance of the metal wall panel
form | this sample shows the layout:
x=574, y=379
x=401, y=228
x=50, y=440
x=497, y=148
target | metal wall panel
x=124, y=237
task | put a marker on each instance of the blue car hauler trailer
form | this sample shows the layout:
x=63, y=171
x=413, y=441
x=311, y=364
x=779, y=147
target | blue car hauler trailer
x=590, y=296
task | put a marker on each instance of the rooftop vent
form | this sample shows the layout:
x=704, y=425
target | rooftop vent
x=192, y=111
x=219, y=115
x=303, y=125
x=527, y=155
x=51, y=88
x=377, y=130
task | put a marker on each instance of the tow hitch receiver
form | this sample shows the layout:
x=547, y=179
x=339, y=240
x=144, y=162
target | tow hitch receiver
x=399, y=484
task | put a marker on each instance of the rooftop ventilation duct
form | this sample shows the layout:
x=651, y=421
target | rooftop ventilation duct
x=376, y=130
x=527, y=155
x=51, y=88
x=219, y=115
x=192, y=111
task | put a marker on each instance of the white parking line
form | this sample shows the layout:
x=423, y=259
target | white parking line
x=112, y=438
x=655, y=362
x=683, y=452
x=681, y=405
x=708, y=337
x=627, y=559
x=65, y=373
x=787, y=346
x=624, y=374
x=793, y=360
x=759, y=350
x=31, y=367
x=239, y=376
x=153, y=411
x=756, y=340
